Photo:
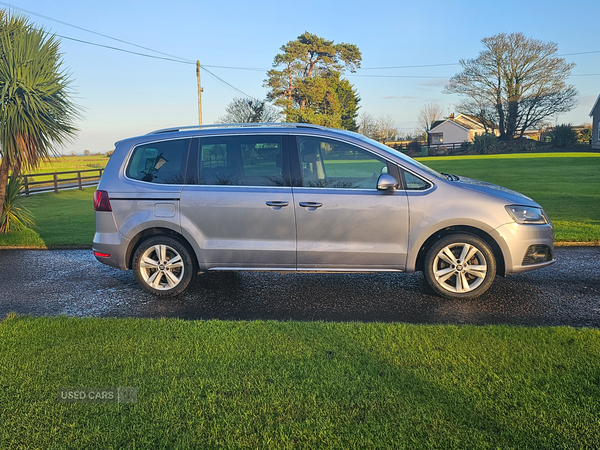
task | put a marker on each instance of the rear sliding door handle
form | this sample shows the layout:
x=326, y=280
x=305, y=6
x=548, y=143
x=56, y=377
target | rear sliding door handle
x=277, y=204
x=310, y=204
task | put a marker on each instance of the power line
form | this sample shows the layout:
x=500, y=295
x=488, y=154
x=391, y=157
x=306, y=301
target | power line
x=173, y=58
x=225, y=82
x=123, y=50
x=579, y=53
x=396, y=76
x=458, y=64
x=93, y=32
x=410, y=67
x=256, y=69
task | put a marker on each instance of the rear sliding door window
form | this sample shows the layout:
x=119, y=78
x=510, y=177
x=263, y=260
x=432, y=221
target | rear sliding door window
x=160, y=162
x=241, y=161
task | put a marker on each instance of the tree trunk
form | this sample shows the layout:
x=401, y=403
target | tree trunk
x=3, y=183
x=511, y=122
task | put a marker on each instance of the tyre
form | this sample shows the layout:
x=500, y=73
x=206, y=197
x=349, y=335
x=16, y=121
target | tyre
x=460, y=266
x=163, y=266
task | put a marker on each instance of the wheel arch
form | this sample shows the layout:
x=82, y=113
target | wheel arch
x=156, y=231
x=496, y=250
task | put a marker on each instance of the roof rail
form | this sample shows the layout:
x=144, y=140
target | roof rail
x=237, y=125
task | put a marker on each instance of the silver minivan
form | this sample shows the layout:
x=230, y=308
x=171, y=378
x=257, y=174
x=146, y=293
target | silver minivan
x=300, y=197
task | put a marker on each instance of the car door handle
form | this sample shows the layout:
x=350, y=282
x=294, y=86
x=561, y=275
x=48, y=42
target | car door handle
x=277, y=204
x=310, y=204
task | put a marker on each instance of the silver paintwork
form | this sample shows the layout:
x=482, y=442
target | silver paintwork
x=303, y=228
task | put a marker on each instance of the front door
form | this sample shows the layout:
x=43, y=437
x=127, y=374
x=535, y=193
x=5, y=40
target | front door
x=343, y=222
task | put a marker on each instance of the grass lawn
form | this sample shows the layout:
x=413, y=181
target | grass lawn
x=265, y=384
x=567, y=185
x=63, y=219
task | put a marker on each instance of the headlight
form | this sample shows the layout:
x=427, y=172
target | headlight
x=526, y=214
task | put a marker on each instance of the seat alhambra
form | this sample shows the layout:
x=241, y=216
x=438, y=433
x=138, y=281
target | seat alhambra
x=299, y=197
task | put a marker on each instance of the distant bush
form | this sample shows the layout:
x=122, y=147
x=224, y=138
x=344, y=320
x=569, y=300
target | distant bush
x=585, y=136
x=413, y=146
x=563, y=136
x=109, y=153
x=484, y=143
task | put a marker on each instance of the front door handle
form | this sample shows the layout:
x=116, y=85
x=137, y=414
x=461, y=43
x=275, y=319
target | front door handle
x=310, y=204
x=277, y=204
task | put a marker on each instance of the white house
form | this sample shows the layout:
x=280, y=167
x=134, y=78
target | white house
x=595, y=115
x=455, y=130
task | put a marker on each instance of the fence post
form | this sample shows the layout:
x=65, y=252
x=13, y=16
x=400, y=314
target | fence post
x=55, y=183
x=26, y=185
x=79, y=180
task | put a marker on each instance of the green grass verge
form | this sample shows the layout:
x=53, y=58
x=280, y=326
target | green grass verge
x=299, y=385
x=63, y=219
x=567, y=185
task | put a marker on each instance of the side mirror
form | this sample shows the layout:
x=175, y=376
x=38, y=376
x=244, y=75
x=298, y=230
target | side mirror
x=386, y=182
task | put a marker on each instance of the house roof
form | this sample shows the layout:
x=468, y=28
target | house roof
x=594, y=107
x=436, y=123
x=464, y=121
x=470, y=122
x=451, y=121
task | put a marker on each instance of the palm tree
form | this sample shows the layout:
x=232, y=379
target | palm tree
x=36, y=113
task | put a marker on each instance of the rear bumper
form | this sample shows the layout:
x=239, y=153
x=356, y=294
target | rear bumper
x=514, y=240
x=108, y=241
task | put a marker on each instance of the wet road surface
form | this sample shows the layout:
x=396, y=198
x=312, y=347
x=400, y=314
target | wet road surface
x=73, y=283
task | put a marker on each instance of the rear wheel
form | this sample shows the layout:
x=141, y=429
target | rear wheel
x=460, y=266
x=163, y=266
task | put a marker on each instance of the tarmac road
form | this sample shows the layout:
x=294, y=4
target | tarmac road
x=73, y=283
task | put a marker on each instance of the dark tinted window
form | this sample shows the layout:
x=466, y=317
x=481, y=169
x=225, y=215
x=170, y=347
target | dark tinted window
x=241, y=161
x=333, y=164
x=160, y=162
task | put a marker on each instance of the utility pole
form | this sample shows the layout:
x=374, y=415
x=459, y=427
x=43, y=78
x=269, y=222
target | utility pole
x=199, y=93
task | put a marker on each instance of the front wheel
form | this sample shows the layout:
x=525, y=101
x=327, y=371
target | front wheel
x=460, y=266
x=163, y=266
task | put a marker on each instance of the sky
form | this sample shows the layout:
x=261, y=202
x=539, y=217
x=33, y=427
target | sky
x=123, y=95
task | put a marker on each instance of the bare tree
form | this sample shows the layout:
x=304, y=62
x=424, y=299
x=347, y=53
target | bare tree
x=380, y=129
x=367, y=126
x=386, y=129
x=484, y=112
x=249, y=110
x=429, y=113
x=521, y=78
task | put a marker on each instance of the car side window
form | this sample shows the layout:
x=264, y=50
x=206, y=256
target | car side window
x=327, y=163
x=161, y=162
x=414, y=183
x=241, y=161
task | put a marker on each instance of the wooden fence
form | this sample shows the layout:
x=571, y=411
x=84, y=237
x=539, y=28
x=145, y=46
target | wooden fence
x=54, y=181
x=421, y=148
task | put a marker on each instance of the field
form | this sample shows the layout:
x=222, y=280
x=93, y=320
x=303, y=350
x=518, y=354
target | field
x=263, y=384
x=565, y=184
x=70, y=163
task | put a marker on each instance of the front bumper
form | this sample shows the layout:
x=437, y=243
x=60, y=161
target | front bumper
x=515, y=239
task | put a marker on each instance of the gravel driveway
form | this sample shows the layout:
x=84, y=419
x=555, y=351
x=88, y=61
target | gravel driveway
x=72, y=282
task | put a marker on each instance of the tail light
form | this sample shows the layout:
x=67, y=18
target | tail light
x=101, y=201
